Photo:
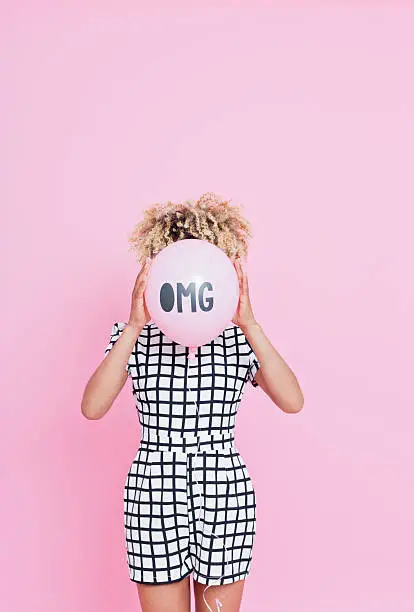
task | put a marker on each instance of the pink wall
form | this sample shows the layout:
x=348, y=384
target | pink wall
x=304, y=114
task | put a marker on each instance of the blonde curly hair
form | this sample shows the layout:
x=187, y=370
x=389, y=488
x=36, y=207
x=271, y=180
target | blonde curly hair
x=209, y=218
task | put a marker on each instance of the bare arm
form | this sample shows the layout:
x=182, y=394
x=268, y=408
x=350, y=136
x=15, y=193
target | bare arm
x=274, y=375
x=110, y=376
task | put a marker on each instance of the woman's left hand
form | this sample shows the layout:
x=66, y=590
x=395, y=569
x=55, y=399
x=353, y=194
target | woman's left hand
x=243, y=316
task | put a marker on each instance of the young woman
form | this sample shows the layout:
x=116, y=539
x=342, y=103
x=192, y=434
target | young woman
x=189, y=502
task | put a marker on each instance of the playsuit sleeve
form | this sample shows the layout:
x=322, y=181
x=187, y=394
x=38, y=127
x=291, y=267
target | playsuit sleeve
x=116, y=332
x=254, y=366
x=253, y=362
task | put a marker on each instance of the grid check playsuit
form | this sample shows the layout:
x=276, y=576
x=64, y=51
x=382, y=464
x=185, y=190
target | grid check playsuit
x=188, y=481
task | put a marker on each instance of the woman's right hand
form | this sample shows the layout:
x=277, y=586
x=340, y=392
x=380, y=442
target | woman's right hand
x=139, y=315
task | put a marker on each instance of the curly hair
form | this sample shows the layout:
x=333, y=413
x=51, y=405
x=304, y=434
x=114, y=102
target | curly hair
x=209, y=218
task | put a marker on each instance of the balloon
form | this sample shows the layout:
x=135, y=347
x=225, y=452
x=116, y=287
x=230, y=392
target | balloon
x=192, y=291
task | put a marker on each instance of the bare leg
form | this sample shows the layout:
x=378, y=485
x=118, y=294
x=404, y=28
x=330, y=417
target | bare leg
x=172, y=597
x=230, y=596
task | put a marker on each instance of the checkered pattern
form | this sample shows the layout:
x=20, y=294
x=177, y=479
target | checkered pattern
x=189, y=502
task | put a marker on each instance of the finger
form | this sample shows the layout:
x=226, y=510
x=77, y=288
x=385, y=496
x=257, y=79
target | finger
x=243, y=281
x=146, y=266
x=146, y=273
x=139, y=275
x=143, y=272
x=138, y=282
x=239, y=272
x=245, y=273
x=142, y=286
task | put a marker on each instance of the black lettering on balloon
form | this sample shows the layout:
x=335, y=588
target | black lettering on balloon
x=182, y=291
x=207, y=304
x=167, y=297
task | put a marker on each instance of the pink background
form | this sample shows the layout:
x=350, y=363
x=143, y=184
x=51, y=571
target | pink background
x=303, y=114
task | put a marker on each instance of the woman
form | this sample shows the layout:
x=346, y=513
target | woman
x=189, y=501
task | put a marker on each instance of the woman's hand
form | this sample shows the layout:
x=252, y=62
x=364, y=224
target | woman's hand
x=244, y=316
x=139, y=312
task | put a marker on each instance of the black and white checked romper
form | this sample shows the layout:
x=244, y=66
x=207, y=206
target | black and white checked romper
x=168, y=535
